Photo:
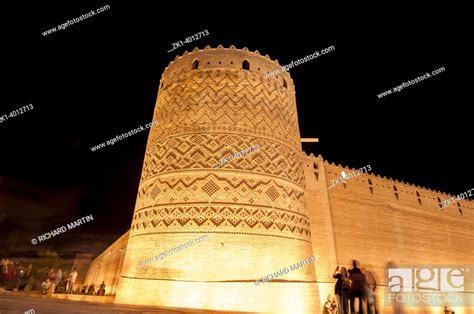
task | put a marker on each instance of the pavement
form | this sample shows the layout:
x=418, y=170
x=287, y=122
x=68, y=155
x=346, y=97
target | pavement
x=19, y=303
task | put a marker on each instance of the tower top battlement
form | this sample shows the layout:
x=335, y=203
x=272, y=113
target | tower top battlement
x=227, y=58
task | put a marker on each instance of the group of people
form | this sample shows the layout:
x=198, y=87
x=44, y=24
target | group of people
x=13, y=274
x=355, y=284
x=16, y=277
x=54, y=282
x=91, y=289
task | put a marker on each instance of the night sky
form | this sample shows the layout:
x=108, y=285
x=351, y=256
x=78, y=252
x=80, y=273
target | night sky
x=99, y=78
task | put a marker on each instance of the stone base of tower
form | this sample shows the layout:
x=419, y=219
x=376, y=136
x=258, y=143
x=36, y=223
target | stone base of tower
x=275, y=297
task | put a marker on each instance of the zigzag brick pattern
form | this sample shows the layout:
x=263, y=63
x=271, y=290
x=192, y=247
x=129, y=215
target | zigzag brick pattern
x=208, y=114
x=210, y=106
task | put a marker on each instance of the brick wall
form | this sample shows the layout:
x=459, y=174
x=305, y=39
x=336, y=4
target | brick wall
x=352, y=221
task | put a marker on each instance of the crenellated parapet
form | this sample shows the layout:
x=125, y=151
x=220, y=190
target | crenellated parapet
x=388, y=189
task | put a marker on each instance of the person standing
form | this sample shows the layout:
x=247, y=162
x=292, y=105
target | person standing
x=358, y=287
x=16, y=276
x=59, y=276
x=4, y=264
x=342, y=289
x=52, y=279
x=371, y=297
x=72, y=280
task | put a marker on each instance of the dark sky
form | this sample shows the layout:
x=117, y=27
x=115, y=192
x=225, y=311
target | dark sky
x=99, y=78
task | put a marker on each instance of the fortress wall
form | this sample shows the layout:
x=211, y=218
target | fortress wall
x=402, y=231
x=322, y=233
x=376, y=228
x=108, y=265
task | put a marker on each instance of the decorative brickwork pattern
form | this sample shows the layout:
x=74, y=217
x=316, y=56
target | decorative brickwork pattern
x=205, y=114
x=210, y=106
x=223, y=218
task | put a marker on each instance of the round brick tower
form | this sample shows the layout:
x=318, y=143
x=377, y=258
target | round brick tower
x=213, y=103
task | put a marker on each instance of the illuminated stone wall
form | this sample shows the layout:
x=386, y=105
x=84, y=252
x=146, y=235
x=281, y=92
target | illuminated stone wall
x=81, y=263
x=375, y=227
x=213, y=103
x=107, y=266
x=267, y=209
x=381, y=221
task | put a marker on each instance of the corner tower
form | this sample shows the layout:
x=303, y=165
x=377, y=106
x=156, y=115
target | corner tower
x=213, y=103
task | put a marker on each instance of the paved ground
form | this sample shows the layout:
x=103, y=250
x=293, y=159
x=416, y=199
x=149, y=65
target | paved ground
x=19, y=302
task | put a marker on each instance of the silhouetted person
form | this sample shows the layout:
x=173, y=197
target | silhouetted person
x=397, y=307
x=358, y=287
x=371, y=296
x=15, y=276
x=101, y=290
x=91, y=289
x=342, y=289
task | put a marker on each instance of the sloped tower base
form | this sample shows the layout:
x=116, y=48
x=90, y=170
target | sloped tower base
x=230, y=296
